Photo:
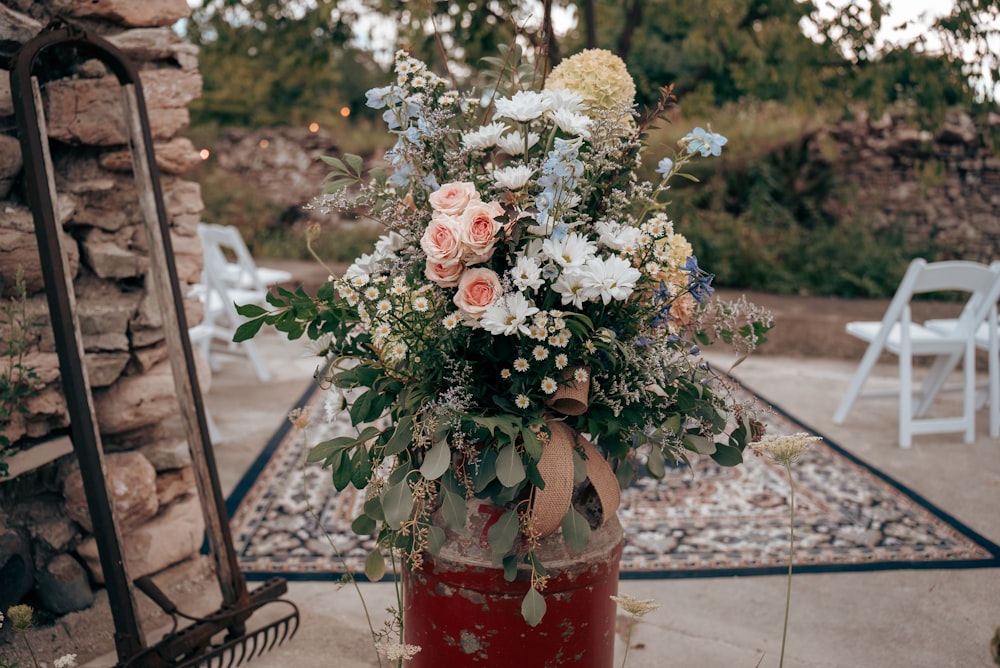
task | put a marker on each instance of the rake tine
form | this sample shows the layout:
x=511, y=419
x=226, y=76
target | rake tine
x=232, y=655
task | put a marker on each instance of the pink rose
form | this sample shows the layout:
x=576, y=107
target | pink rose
x=476, y=290
x=479, y=227
x=442, y=239
x=445, y=275
x=452, y=198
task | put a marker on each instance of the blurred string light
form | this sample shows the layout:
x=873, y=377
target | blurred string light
x=314, y=127
x=263, y=143
x=345, y=111
x=204, y=153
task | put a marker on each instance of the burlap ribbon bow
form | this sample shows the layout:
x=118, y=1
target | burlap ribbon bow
x=556, y=464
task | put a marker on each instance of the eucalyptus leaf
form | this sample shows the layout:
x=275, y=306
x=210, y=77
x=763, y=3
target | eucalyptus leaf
x=510, y=567
x=579, y=467
x=700, y=444
x=625, y=473
x=533, y=607
x=453, y=509
x=436, y=461
x=397, y=504
x=375, y=566
x=576, y=530
x=363, y=525
x=401, y=437
x=510, y=468
x=655, y=463
x=435, y=539
x=502, y=534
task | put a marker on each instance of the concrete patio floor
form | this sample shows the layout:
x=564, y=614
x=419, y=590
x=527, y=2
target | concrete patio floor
x=889, y=619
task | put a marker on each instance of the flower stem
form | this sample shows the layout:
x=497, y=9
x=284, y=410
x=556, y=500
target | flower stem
x=31, y=650
x=628, y=639
x=791, y=552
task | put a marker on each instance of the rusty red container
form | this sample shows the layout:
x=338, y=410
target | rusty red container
x=461, y=612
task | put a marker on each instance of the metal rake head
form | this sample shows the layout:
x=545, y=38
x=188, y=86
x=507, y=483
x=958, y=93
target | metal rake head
x=235, y=651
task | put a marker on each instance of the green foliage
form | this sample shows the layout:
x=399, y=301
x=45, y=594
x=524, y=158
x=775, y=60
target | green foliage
x=17, y=380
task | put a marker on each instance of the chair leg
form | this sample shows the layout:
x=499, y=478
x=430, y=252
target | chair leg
x=258, y=366
x=857, y=382
x=905, y=400
x=935, y=380
x=969, y=400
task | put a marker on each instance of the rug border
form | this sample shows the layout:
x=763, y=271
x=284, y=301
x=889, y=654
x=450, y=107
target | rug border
x=249, y=477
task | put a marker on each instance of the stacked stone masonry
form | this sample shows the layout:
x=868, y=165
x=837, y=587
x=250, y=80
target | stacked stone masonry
x=48, y=556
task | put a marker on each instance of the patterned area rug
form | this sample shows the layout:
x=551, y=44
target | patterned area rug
x=713, y=521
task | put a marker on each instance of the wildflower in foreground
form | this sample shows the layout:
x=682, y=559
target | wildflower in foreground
x=636, y=607
x=784, y=449
x=299, y=417
x=20, y=616
x=65, y=661
x=397, y=651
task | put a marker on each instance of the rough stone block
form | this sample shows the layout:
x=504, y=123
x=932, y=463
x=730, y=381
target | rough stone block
x=172, y=536
x=129, y=12
x=10, y=163
x=19, y=249
x=171, y=485
x=177, y=156
x=132, y=484
x=63, y=586
x=147, y=44
x=108, y=257
x=167, y=455
x=17, y=577
x=135, y=402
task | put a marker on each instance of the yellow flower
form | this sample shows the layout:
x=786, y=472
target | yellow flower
x=599, y=77
x=21, y=616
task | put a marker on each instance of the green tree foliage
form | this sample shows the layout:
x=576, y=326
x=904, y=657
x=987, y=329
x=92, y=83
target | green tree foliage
x=278, y=63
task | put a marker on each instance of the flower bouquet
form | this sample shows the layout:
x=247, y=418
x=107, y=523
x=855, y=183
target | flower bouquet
x=529, y=323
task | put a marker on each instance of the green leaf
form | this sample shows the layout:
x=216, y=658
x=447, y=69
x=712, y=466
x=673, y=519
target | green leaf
x=355, y=162
x=510, y=468
x=251, y=310
x=397, y=503
x=533, y=607
x=401, y=437
x=532, y=444
x=452, y=508
x=342, y=470
x=727, y=455
x=502, y=534
x=487, y=471
x=435, y=538
x=324, y=449
x=625, y=473
x=363, y=525
x=248, y=330
x=700, y=444
x=375, y=566
x=510, y=567
x=576, y=530
x=436, y=461
x=361, y=467
x=579, y=467
x=655, y=463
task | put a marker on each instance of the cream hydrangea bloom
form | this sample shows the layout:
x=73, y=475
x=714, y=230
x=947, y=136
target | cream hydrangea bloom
x=599, y=77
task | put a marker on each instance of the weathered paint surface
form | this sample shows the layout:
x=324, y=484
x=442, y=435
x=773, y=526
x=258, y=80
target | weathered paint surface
x=462, y=612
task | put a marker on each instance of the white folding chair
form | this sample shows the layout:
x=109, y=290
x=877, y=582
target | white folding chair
x=896, y=333
x=221, y=320
x=243, y=271
x=987, y=338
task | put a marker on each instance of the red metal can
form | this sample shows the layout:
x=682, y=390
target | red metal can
x=461, y=612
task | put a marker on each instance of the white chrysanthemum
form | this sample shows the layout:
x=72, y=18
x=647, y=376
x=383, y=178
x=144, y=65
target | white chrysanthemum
x=524, y=106
x=561, y=361
x=569, y=286
x=571, y=251
x=540, y=353
x=512, y=177
x=451, y=321
x=508, y=315
x=572, y=123
x=505, y=374
x=485, y=137
x=616, y=236
x=610, y=279
x=387, y=245
x=521, y=365
x=527, y=274
x=549, y=386
x=561, y=99
x=512, y=143
x=522, y=401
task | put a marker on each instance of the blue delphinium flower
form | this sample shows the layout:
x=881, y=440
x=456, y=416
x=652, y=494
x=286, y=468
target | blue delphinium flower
x=699, y=281
x=704, y=141
x=664, y=167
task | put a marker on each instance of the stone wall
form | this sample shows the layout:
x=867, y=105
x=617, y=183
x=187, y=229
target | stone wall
x=942, y=186
x=47, y=554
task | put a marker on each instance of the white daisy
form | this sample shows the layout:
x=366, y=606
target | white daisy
x=521, y=365
x=561, y=360
x=522, y=401
x=572, y=123
x=524, y=106
x=569, y=286
x=527, y=274
x=549, y=386
x=512, y=143
x=483, y=138
x=512, y=177
x=610, y=279
x=508, y=315
x=451, y=321
x=540, y=353
x=563, y=99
